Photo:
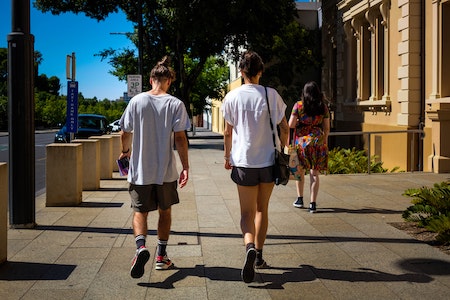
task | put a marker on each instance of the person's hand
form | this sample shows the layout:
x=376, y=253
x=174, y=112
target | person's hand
x=122, y=155
x=184, y=176
x=227, y=164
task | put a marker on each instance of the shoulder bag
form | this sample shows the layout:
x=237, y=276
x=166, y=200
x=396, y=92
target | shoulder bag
x=281, y=170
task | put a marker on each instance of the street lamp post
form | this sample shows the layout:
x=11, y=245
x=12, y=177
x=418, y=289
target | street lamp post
x=22, y=196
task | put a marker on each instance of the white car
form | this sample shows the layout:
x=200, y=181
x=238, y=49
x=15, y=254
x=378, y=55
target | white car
x=115, y=126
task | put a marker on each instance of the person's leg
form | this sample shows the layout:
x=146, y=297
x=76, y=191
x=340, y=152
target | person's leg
x=140, y=223
x=164, y=223
x=299, y=184
x=163, y=232
x=248, y=198
x=262, y=221
x=142, y=254
x=262, y=215
x=314, y=188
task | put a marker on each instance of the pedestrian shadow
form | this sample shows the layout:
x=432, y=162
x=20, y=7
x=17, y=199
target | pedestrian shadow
x=206, y=146
x=18, y=271
x=276, y=278
x=100, y=204
x=427, y=266
x=336, y=210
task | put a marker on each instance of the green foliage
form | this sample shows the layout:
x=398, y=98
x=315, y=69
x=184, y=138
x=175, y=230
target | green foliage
x=3, y=71
x=210, y=84
x=292, y=58
x=351, y=161
x=50, y=107
x=3, y=112
x=200, y=30
x=431, y=209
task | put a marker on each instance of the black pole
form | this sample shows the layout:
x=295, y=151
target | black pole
x=140, y=38
x=22, y=205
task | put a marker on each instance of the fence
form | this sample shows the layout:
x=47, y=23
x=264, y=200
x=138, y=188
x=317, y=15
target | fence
x=419, y=132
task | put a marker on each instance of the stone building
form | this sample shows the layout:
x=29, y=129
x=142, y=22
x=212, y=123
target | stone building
x=384, y=70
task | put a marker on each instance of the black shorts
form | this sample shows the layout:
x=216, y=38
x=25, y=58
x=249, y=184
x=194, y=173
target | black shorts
x=145, y=198
x=252, y=176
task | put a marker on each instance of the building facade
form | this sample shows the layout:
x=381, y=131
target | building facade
x=384, y=70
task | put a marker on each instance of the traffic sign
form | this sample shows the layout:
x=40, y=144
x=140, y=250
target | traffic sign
x=72, y=107
x=134, y=85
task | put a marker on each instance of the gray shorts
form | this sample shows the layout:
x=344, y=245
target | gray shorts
x=251, y=176
x=145, y=198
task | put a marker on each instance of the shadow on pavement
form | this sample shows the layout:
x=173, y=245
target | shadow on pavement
x=275, y=278
x=13, y=271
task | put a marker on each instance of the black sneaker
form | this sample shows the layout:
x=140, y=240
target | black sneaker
x=248, y=272
x=312, y=207
x=139, y=261
x=262, y=265
x=299, y=202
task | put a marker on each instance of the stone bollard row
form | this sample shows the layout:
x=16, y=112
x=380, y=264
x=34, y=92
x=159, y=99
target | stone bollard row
x=77, y=166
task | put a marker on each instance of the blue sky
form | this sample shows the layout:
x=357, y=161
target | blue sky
x=57, y=36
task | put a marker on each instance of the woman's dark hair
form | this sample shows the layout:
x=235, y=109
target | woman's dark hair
x=251, y=64
x=313, y=101
x=162, y=70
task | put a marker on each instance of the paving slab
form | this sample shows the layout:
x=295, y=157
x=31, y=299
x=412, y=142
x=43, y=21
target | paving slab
x=347, y=250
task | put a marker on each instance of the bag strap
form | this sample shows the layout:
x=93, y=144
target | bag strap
x=270, y=119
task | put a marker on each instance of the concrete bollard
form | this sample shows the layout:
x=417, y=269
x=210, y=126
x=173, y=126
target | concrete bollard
x=64, y=174
x=3, y=212
x=116, y=143
x=106, y=168
x=91, y=163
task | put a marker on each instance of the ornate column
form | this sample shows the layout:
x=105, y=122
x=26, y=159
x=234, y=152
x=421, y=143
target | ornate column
x=437, y=51
x=384, y=9
x=373, y=28
x=357, y=28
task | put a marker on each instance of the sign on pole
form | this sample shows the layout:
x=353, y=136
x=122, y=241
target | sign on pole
x=134, y=85
x=72, y=107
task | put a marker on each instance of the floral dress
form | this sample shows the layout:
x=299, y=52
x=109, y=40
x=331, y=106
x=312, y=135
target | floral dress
x=309, y=139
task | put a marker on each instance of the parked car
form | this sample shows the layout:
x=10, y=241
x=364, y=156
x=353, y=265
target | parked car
x=88, y=125
x=115, y=126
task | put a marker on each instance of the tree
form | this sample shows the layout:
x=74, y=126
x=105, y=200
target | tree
x=44, y=84
x=294, y=57
x=197, y=29
x=4, y=72
x=210, y=84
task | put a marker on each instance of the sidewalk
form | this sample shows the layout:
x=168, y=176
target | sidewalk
x=347, y=250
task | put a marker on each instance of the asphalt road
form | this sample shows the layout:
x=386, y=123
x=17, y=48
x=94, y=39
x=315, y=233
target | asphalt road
x=41, y=140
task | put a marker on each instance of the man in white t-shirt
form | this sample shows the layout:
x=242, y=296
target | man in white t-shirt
x=152, y=122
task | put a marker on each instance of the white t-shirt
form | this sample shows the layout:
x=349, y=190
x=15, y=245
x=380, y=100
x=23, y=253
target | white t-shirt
x=153, y=119
x=245, y=108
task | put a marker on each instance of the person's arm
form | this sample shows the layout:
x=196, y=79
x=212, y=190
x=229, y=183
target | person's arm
x=293, y=121
x=227, y=140
x=326, y=129
x=284, y=132
x=125, y=139
x=181, y=144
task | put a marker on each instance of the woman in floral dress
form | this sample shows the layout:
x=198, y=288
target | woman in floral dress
x=310, y=118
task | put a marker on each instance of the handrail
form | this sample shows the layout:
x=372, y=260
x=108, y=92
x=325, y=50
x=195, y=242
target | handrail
x=369, y=133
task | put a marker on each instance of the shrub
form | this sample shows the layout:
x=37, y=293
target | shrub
x=431, y=209
x=351, y=161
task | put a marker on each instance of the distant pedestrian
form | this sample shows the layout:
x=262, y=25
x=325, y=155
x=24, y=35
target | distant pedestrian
x=310, y=118
x=249, y=153
x=152, y=122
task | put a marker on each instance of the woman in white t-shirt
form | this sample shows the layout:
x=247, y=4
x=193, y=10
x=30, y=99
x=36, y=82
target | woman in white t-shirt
x=249, y=153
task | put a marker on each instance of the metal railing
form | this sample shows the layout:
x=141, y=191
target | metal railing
x=369, y=134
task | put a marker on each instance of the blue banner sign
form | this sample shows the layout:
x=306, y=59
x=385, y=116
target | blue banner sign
x=72, y=106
